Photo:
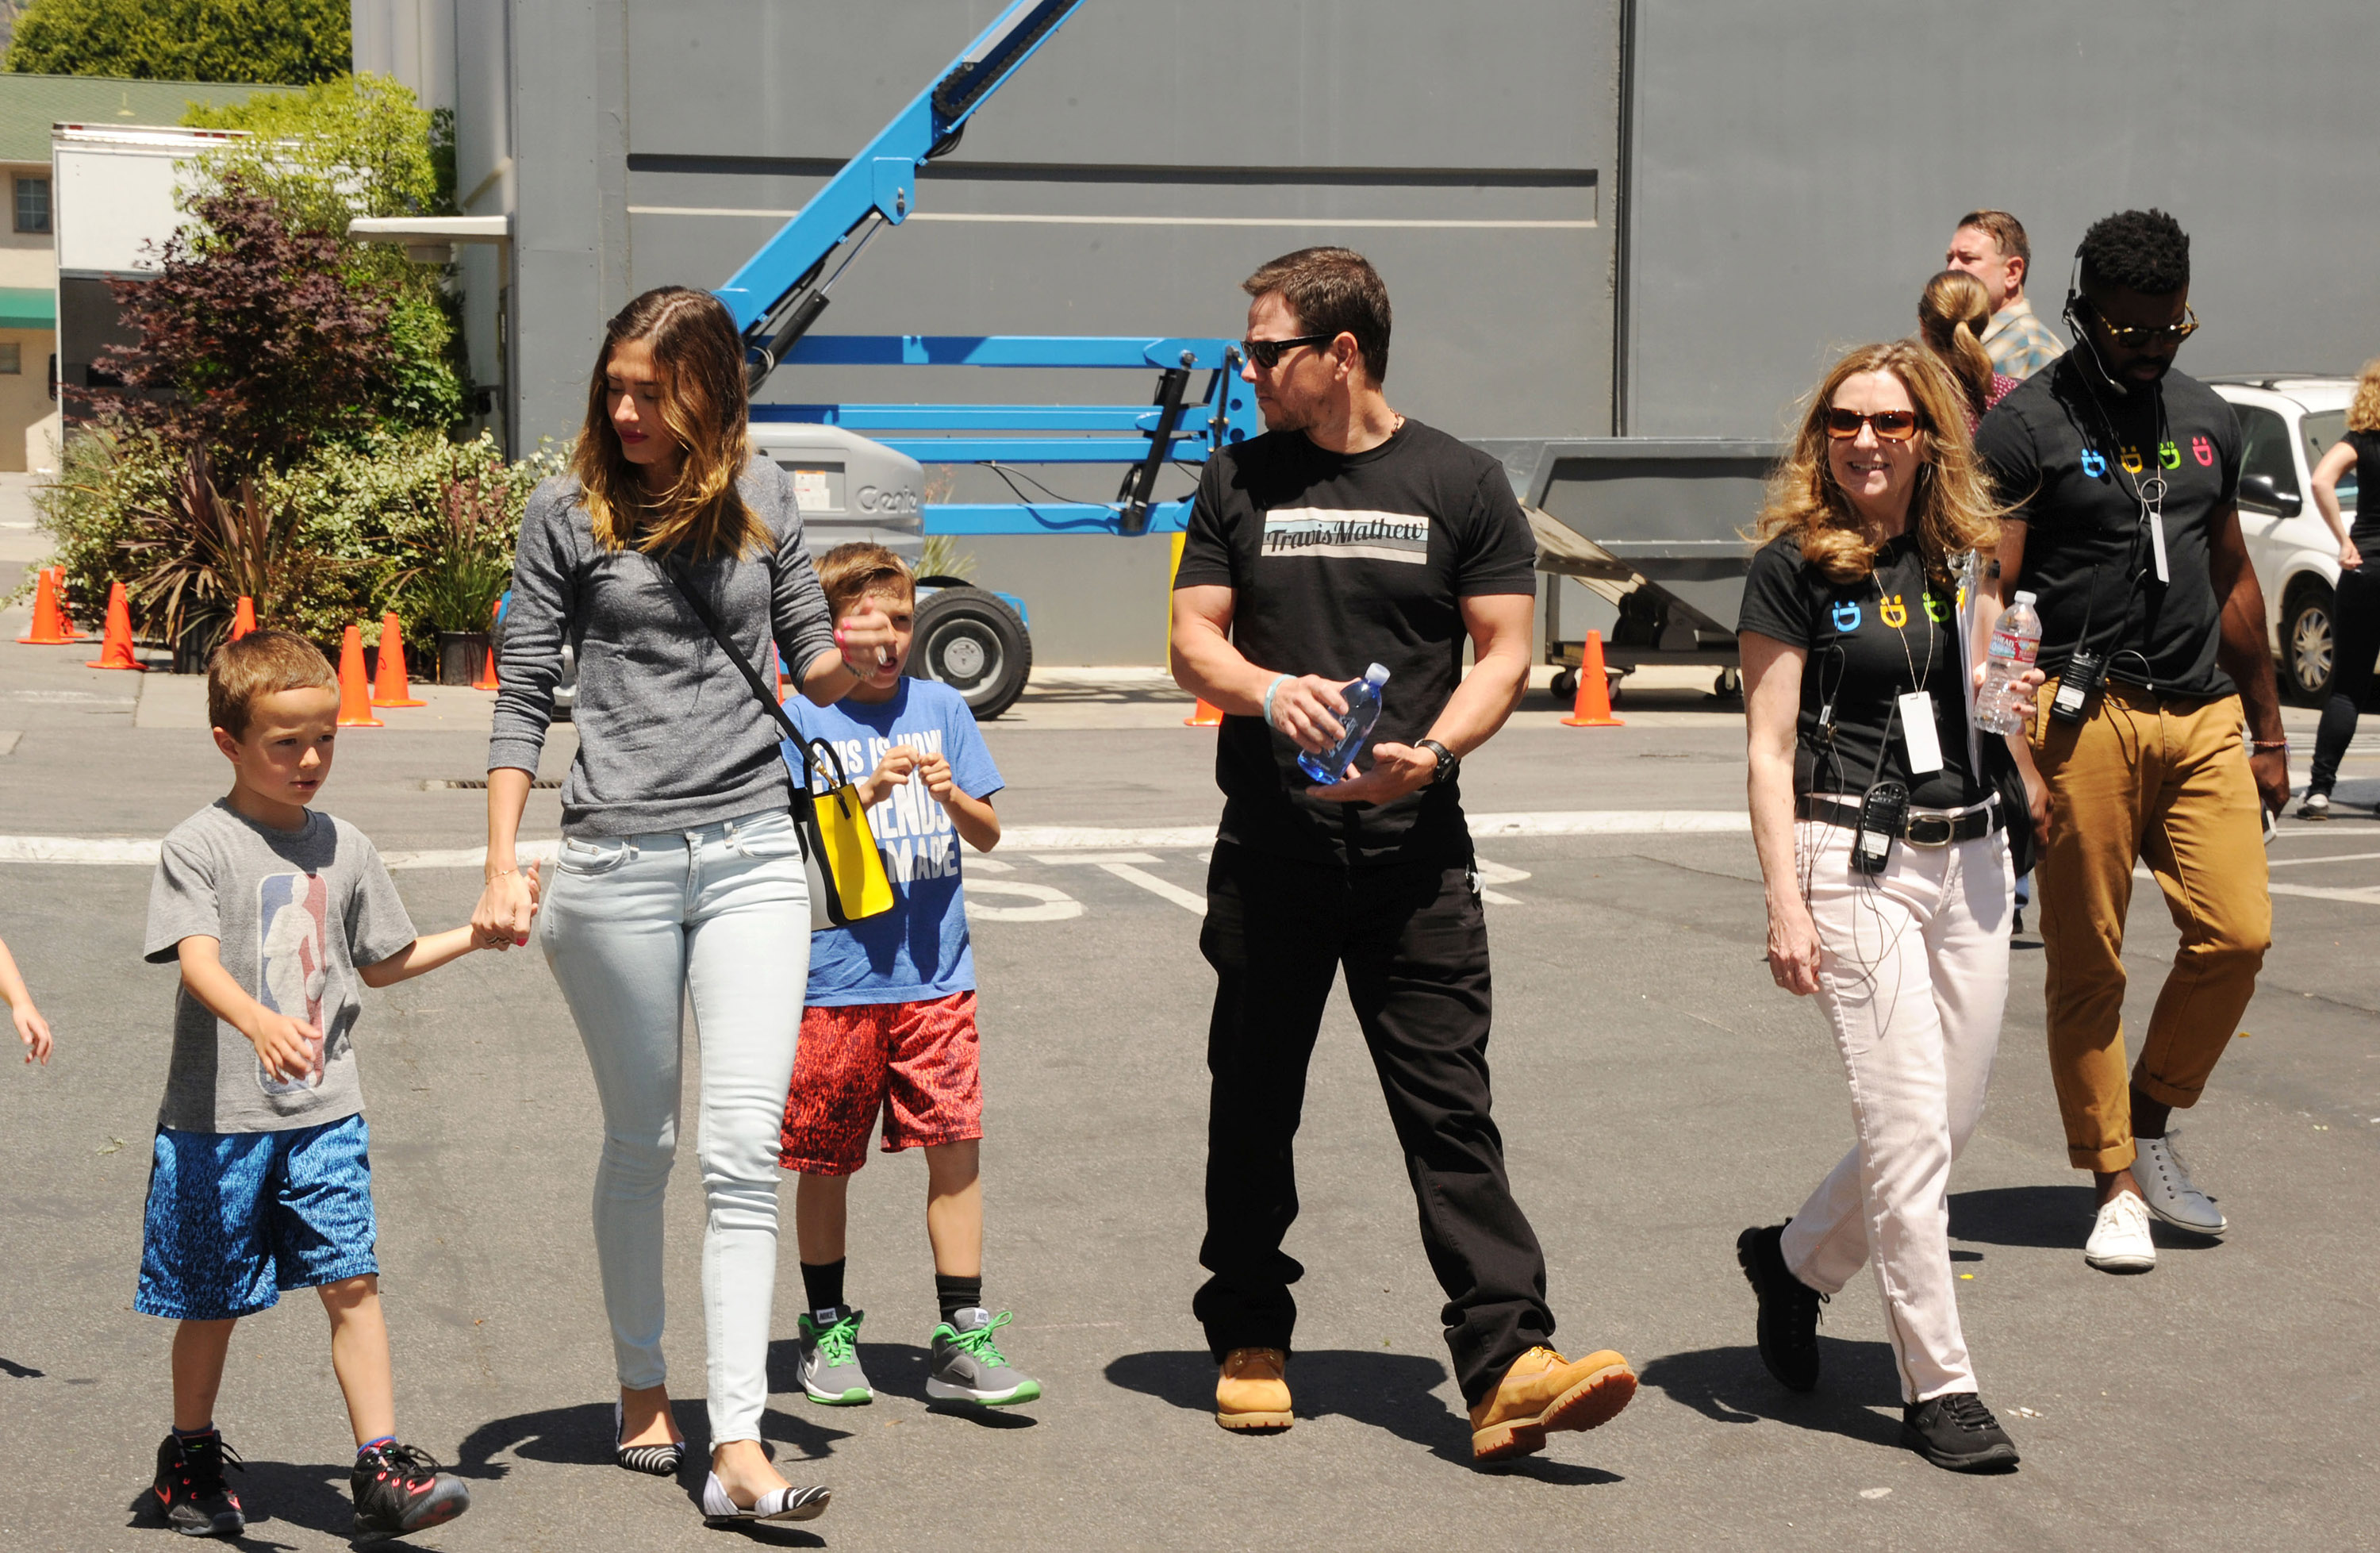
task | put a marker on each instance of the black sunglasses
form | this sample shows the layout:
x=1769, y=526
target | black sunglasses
x=1266, y=353
x=1891, y=425
x=2132, y=336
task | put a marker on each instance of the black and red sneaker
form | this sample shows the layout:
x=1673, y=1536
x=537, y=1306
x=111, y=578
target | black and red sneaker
x=399, y=1488
x=189, y=1488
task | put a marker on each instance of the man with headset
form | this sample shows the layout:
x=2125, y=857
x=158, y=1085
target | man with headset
x=2123, y=474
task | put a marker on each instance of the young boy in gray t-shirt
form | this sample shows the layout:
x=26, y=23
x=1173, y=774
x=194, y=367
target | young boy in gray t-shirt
x=260, y=1181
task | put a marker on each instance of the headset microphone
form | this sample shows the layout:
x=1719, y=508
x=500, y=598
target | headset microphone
x=2083, y=335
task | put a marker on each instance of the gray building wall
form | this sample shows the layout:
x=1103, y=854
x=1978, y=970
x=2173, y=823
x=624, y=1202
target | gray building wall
x=1798, y=170
x=1794, y=169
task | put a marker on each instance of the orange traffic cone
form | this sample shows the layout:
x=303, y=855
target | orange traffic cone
x=389, y=688
x=51, y=628
x=243, y=619
x=487, y=679
x=116, y=649
x=354, y=695
x=1207, y=716
x=1593, y=708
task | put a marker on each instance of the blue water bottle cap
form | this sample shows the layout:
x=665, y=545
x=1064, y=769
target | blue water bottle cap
x=1376, y=676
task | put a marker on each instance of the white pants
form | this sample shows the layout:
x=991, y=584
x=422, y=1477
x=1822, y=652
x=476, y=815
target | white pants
x=633, y=928
x=1912, y=977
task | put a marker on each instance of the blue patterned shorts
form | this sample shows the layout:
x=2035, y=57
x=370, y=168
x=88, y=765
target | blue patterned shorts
x=234, y=1218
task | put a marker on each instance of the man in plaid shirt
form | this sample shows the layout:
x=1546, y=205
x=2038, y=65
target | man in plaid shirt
x=1990, y=245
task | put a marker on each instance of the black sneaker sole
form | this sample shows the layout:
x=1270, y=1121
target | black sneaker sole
x=1992, y=1457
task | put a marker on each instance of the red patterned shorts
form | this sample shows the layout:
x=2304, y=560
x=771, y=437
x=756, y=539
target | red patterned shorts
x=916, y=1062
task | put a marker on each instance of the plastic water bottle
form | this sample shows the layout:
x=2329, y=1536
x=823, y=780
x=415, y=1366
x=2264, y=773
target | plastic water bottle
x=1363, y=710
x=2002, y=702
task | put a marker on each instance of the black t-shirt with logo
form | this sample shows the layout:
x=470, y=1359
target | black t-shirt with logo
x=1338, y=561
x=2069, y=456
x=1870, y=643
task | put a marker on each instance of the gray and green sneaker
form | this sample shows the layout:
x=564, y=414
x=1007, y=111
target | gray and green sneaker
x=970, y=1367
x=830, y=1371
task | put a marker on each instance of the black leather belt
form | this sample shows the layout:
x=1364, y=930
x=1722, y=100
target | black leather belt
x=1918, y=828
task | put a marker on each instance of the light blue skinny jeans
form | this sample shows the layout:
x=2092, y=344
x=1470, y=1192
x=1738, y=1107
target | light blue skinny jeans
x=633, y=929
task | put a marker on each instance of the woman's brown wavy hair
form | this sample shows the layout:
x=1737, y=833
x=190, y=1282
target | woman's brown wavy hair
x=1952, y=313
x=699, y=360
x=1952, y=510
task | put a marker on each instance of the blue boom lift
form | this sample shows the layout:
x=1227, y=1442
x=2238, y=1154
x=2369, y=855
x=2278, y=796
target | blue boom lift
x=780, y=292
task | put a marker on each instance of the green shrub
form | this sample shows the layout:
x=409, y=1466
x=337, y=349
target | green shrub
x=378, y=516
x=289, y=42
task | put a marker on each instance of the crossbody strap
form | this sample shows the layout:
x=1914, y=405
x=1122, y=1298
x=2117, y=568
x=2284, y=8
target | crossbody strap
x=752, y=677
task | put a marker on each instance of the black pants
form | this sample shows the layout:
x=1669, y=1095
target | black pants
x=1414, y=946
x=2355, y=626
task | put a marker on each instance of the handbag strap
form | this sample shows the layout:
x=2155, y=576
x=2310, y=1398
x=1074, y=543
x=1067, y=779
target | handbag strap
x=768, y=700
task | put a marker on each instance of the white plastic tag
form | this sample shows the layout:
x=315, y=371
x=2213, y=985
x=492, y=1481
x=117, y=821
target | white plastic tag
x=2156, y=544
x=1918, y=735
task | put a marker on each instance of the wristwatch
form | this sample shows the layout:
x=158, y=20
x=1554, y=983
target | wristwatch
x=1449, y=762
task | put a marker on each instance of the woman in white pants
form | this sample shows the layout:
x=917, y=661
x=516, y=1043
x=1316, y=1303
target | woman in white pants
x=680, y=876
x=1859, y=695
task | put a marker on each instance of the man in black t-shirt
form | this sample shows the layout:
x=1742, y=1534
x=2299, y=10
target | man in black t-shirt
x=2123, y=475
x=1349, y=535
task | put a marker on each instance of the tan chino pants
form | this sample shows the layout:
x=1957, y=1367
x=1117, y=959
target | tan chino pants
x=2163, y=781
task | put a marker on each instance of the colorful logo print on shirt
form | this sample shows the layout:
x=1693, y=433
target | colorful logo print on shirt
x=1847, y=617
x=1893, y=612
x=1936, y=610
x=2132, y=460
x=2095, y=464
x=2168, y=456
x=2202, y=450
x=292, y=969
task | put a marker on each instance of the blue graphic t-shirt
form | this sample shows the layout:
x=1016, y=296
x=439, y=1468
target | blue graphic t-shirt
x=917, y=950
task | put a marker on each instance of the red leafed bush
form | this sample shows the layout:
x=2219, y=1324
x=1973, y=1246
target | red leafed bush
x=255, y=341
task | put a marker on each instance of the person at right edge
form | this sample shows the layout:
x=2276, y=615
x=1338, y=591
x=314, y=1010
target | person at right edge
x=2121, y=475
x=1348, y=535
x=2356, y=607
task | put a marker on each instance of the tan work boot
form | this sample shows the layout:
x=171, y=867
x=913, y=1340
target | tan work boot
x=1250, y=1395
x=1544, y=1391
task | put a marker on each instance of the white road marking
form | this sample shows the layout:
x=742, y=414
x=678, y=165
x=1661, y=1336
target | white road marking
x=1496, y=897
x=1052, y=905
x=2335, y=857
x=2360, y=897
x=1498, y=874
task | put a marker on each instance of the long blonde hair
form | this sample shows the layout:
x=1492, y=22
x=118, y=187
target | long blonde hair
x=2364, y=410
x=1951, y=511
x=1952, y=314
x=699, y=361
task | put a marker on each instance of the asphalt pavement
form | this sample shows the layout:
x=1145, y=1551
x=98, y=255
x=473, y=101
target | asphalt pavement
x=1655, y=1092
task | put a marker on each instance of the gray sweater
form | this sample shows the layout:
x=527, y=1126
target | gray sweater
x=670, y=736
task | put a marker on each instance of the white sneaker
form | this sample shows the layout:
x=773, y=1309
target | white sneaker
x=2119, y=1240
x=2166, y=1188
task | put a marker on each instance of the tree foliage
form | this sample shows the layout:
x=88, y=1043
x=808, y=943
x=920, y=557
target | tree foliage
x=290, y=43
x=360, y=145
x=255, y=343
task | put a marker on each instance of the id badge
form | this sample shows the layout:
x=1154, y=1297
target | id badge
x=1918, y=735
x=2156, y=544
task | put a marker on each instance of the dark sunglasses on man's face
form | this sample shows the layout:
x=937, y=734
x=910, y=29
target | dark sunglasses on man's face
x=1266, y=353
x=1891, y=425
x=2132, y=337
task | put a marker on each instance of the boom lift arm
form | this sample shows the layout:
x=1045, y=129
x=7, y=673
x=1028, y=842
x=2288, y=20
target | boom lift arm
x=779, y=293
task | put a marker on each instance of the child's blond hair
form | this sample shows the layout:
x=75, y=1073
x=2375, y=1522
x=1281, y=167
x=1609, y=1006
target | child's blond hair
x=261, y=664
x=851, y=572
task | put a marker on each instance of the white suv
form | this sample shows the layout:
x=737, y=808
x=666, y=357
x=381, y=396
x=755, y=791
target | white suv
x=2286, y=425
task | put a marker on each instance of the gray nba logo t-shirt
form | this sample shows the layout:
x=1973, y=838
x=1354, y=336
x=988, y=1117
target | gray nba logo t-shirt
x=295, y=912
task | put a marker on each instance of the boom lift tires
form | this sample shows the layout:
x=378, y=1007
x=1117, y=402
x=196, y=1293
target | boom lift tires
x=973, y=641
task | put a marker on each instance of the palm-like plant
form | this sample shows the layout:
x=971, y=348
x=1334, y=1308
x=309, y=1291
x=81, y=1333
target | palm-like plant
x=468, y=559
x=198, y=554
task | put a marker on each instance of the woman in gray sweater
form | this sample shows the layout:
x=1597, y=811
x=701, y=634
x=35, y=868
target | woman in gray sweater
x=680, y=875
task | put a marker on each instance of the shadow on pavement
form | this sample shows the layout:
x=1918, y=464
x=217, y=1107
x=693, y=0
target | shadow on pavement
x=894, y=1370
x=2051, y=1217
x=1730, y=1385
x=1391, y=1391
x=312, y=1497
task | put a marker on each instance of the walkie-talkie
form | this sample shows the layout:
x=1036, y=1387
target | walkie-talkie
x=1882, y=813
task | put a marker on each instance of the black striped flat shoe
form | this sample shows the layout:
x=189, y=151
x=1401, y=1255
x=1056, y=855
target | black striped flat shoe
x=660, y=1460
x=777, y=1504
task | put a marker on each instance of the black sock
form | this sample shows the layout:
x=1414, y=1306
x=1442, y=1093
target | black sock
x=955, y=1294
x=823, y=1282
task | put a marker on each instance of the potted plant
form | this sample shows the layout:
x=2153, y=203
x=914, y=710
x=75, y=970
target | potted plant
x=465, y=566
x=197, y=554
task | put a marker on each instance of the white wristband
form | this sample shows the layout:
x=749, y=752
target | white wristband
x=1277, y=682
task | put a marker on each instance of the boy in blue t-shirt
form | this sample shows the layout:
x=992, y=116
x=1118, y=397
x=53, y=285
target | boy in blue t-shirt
x=889, y=1023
